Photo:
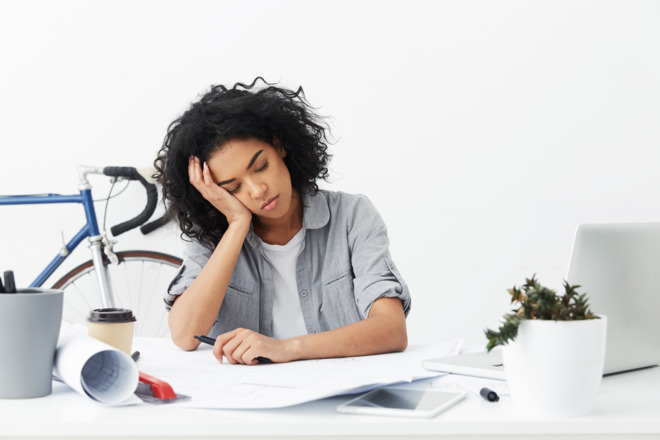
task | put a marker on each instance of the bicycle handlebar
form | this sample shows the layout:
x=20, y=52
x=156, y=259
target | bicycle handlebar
x=152, y=198
x=148, y=228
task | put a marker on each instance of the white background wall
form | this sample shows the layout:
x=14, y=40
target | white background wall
x=484, y=131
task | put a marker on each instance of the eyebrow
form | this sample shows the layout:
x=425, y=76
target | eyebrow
x=254, y=158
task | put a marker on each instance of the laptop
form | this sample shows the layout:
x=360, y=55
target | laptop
x=618, y=267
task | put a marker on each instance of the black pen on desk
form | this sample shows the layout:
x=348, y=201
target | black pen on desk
x=489, y=394
x=211, y=341
x=478, y=390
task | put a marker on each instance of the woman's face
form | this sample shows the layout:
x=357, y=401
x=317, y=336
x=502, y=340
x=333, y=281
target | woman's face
x=254, y=172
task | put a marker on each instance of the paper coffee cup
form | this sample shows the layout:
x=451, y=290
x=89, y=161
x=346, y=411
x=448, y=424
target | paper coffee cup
x=112, y=326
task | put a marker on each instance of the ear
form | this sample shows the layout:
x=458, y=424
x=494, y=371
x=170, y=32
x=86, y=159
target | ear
x=278, y=146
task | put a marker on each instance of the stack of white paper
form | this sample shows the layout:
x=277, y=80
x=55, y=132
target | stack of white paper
x=214, y=385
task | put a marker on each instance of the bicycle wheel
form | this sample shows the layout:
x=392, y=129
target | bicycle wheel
x=138, y=281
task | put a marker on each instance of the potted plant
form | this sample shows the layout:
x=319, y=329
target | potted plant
x=553, y=350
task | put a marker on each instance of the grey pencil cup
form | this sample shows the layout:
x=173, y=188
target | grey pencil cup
x=30, y=321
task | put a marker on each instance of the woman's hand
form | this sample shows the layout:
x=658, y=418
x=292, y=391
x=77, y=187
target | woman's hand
x=230, y=206
x=242, y=346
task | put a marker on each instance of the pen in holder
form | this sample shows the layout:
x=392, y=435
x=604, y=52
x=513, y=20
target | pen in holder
x=30, y=322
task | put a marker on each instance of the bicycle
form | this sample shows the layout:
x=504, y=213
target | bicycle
x=110, y=279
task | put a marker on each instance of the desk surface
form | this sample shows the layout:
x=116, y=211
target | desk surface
x=628, y=406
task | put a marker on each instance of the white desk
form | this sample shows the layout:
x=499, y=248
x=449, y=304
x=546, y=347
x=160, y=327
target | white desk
x=628, y=407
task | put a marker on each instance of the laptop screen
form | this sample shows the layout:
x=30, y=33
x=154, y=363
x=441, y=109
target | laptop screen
x=618, y=267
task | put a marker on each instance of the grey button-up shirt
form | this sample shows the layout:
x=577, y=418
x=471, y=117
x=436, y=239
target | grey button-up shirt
x=344, y=266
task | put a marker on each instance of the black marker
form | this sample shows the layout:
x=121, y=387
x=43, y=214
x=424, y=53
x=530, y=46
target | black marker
x=489, y=394
x=10, y=284
x=211, y=341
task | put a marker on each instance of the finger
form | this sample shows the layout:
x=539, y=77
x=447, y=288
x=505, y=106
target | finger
x=218, y=347
x=194, y=172
x=250, y=357
x=239, y=353
x=206, y=173
x=191, y=168
x=230, y=342
x=217, y=350
x=201, y=183
x=252, y=346
x=228, y=355
x=236, y=348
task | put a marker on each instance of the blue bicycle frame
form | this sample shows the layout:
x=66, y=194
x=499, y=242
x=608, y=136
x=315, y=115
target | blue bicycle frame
x=89, y=230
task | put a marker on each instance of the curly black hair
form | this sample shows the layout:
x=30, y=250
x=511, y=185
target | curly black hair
x=240, y=112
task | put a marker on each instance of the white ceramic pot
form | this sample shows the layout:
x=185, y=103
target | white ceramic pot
x=554, y=368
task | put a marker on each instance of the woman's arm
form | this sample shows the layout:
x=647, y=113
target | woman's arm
x=383, y=331
x=194, y=312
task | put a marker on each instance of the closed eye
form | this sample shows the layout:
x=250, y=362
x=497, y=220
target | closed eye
x=235, y=190
x=263, y=167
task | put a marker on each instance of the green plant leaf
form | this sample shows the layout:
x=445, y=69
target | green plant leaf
x=538, y=302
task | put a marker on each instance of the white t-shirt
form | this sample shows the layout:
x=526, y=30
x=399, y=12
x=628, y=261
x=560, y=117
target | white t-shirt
x=288, y=318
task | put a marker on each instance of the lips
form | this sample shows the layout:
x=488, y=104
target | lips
x=270, y=204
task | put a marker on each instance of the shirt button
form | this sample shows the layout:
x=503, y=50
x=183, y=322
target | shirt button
x=311, y=330
x=303, y=293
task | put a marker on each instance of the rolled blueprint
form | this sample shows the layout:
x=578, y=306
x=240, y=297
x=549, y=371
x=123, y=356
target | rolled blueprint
x=94, y=368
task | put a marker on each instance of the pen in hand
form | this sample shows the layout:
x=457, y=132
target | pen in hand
x=211, y=341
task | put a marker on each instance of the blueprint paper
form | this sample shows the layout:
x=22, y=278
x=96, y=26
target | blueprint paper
x=95, y=369
x=214, y=385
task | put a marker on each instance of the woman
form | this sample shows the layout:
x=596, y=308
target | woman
x=274, y=267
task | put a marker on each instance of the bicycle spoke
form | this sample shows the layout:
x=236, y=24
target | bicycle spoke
x=77, y=304
x=163, y=321
x=82, y=296
x=127, y=299
x=139, y=277
x=152, y=293
x=141, y=286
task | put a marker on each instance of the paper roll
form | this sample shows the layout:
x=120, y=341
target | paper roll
x=94, y=368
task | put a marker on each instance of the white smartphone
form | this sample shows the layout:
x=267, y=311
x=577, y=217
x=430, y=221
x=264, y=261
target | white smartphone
x=389, y=401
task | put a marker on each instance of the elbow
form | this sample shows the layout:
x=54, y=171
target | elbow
x=400, y=340
x=399, y=334
x=187, y=342
x=390, y=317
x=404, y=342
x=397, y=337
x=182, y=337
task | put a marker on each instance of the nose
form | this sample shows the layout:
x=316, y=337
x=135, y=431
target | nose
x=257, y=189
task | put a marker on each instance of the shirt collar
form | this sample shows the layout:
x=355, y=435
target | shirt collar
x=316, y=214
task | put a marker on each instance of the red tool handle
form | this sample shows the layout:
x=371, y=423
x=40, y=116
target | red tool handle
x=160, y=389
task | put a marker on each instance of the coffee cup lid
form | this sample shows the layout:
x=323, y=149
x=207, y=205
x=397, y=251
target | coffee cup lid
x=111, y=315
